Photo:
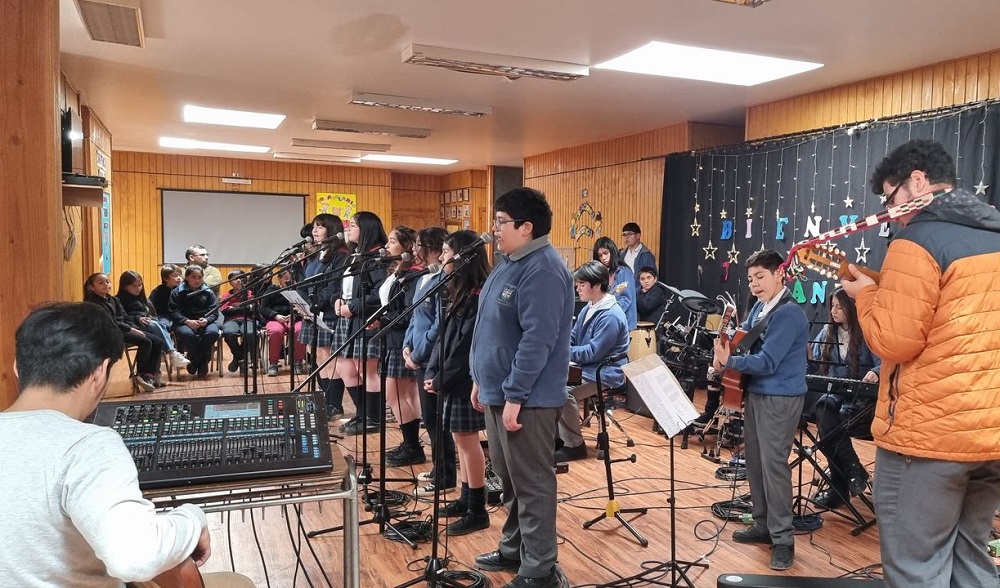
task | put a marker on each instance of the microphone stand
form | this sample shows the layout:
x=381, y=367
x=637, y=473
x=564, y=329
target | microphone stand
x=380, y=510
x=436, y=572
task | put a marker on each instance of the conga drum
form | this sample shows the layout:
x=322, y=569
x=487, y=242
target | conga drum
x=643, y=341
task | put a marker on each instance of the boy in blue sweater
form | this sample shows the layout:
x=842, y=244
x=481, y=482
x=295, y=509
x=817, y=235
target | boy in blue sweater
x=600, y=331
x=776, y=387
x=520, y=362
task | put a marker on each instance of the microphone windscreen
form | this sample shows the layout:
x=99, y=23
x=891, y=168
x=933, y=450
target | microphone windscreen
x=487, y=238
x=405, y=256
x=434, y=268
x=309, y=240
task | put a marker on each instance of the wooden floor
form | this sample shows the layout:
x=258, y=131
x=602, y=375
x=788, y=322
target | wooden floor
x=254, y=540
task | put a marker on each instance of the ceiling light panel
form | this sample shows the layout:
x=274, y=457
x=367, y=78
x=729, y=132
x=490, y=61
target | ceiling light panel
x=750, y=3
x=345, y=145
x=231, y=118
x=287, y=155
x=508, y=66
x=709, y=65
x=113, y=21
x=177, y=143
x=369, y=129
x=418, y=104
x=407, y=159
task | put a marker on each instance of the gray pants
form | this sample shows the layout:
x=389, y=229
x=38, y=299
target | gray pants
x=525, y=464
x=771, y=422
x=934, y=520
x=569, y=420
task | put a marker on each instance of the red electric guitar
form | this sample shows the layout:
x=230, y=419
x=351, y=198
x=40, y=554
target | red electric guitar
x=732, y=380
x=830, y=262
x=184, y=575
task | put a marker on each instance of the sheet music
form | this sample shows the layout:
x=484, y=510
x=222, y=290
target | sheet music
x=662, y=393
x=299, y=304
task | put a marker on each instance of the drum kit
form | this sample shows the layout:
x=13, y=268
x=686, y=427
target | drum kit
x=687, y=346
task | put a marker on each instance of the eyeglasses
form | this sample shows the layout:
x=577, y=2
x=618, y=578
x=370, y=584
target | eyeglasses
x=628, y=234
x=499, y=222
x=889, y=198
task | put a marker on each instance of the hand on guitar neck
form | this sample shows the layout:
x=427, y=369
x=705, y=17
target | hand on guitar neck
x=860, y=279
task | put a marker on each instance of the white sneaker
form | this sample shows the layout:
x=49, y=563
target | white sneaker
x=177, y=359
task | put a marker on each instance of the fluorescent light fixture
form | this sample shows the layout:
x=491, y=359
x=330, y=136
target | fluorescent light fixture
x=231, y=118
x=176, y=143
x=710, y=65
x=407, y=159
x=238, y=181
x=418, y=104
x=369, y=129
x=507, y=66
x=316, y=157
x=346, y=145
x=750, y=3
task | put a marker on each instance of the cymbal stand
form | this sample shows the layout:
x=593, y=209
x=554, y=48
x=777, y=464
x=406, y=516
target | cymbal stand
x=612, y=509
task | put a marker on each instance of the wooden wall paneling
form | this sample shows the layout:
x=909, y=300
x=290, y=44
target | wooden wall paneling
x=949, y=83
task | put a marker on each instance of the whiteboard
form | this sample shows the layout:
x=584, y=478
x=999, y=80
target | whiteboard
x=237, y=228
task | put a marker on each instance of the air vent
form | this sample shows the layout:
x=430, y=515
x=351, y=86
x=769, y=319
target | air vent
x=492, y=64
x=288, y=155
x=113, y=21
x=369, y=129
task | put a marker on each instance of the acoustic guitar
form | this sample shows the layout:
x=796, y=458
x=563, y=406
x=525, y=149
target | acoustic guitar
x=830, y=262
x=732, y=380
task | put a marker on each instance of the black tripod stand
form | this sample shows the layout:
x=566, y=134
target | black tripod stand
x=612, y=509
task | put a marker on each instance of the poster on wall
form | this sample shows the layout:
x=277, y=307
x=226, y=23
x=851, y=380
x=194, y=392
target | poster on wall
x=342, y=205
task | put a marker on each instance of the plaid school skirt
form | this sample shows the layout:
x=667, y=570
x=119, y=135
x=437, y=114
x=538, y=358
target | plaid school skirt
x=342, y=333
x=459, y=417
x=323, y=337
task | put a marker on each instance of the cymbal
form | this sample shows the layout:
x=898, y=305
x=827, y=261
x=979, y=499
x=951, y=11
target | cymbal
x=701, y=304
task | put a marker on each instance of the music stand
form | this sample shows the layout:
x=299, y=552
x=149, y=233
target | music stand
x=671, y=408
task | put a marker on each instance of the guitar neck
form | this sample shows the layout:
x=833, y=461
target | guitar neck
x=869, y=272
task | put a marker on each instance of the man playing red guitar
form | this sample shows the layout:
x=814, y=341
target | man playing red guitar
x=934, y=319
x=775, y=370
x=70, y=503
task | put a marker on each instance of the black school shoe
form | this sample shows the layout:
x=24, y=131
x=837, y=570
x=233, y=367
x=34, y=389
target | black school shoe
x=495, y=562
x=406, y=456
x=782, y=557
x=754, y=534
x=469, y=523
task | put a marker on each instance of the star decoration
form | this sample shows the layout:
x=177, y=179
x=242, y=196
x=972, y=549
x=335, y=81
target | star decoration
x=862, y=252
x=695, y=229
x=697, y=207
x=734, y=255
x=749, y=212
x=981, y=188
x=722, y=213
x=710, y=250
x=849, y=202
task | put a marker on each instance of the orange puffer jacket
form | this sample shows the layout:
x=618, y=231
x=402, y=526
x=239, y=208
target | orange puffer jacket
x=934, y=319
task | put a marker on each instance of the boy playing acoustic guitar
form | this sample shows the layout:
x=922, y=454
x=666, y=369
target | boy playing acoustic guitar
x=775, y=385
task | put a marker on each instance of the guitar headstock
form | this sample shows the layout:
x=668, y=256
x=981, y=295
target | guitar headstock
x=725, y=325
x=830, y=262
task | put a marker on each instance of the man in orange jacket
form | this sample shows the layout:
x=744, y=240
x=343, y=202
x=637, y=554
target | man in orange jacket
x=934, y=319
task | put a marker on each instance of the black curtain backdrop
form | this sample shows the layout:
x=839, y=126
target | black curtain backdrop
x=793, y=188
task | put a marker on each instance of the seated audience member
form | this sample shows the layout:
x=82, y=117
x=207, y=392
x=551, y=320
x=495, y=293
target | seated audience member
x=97, y=290
x=170, y=278
x=72, y=510
x=194, y=311
x=600, y=331
x=652, y=297
x=842, y=352
x=622, y=284
x=239, y=327
x=277, y=311
x=132, y=295
x=634, y=253
x=198, y=255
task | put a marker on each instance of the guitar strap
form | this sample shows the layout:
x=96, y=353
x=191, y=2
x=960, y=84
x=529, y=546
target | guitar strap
x=753, y=334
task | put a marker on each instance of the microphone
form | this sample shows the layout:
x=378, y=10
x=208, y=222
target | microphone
x=376, y=253
x=401, y=257
x=484, y=239
x=431, y=269
x=297, y=247
x=339, y=236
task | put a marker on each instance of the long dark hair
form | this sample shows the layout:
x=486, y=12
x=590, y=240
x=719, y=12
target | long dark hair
x=472, y=276
x=90, y=282
x=372, y=233
x=128, y=278
x=616, y=256
x=333, y=226
x=832, y=338
x=406, y=237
